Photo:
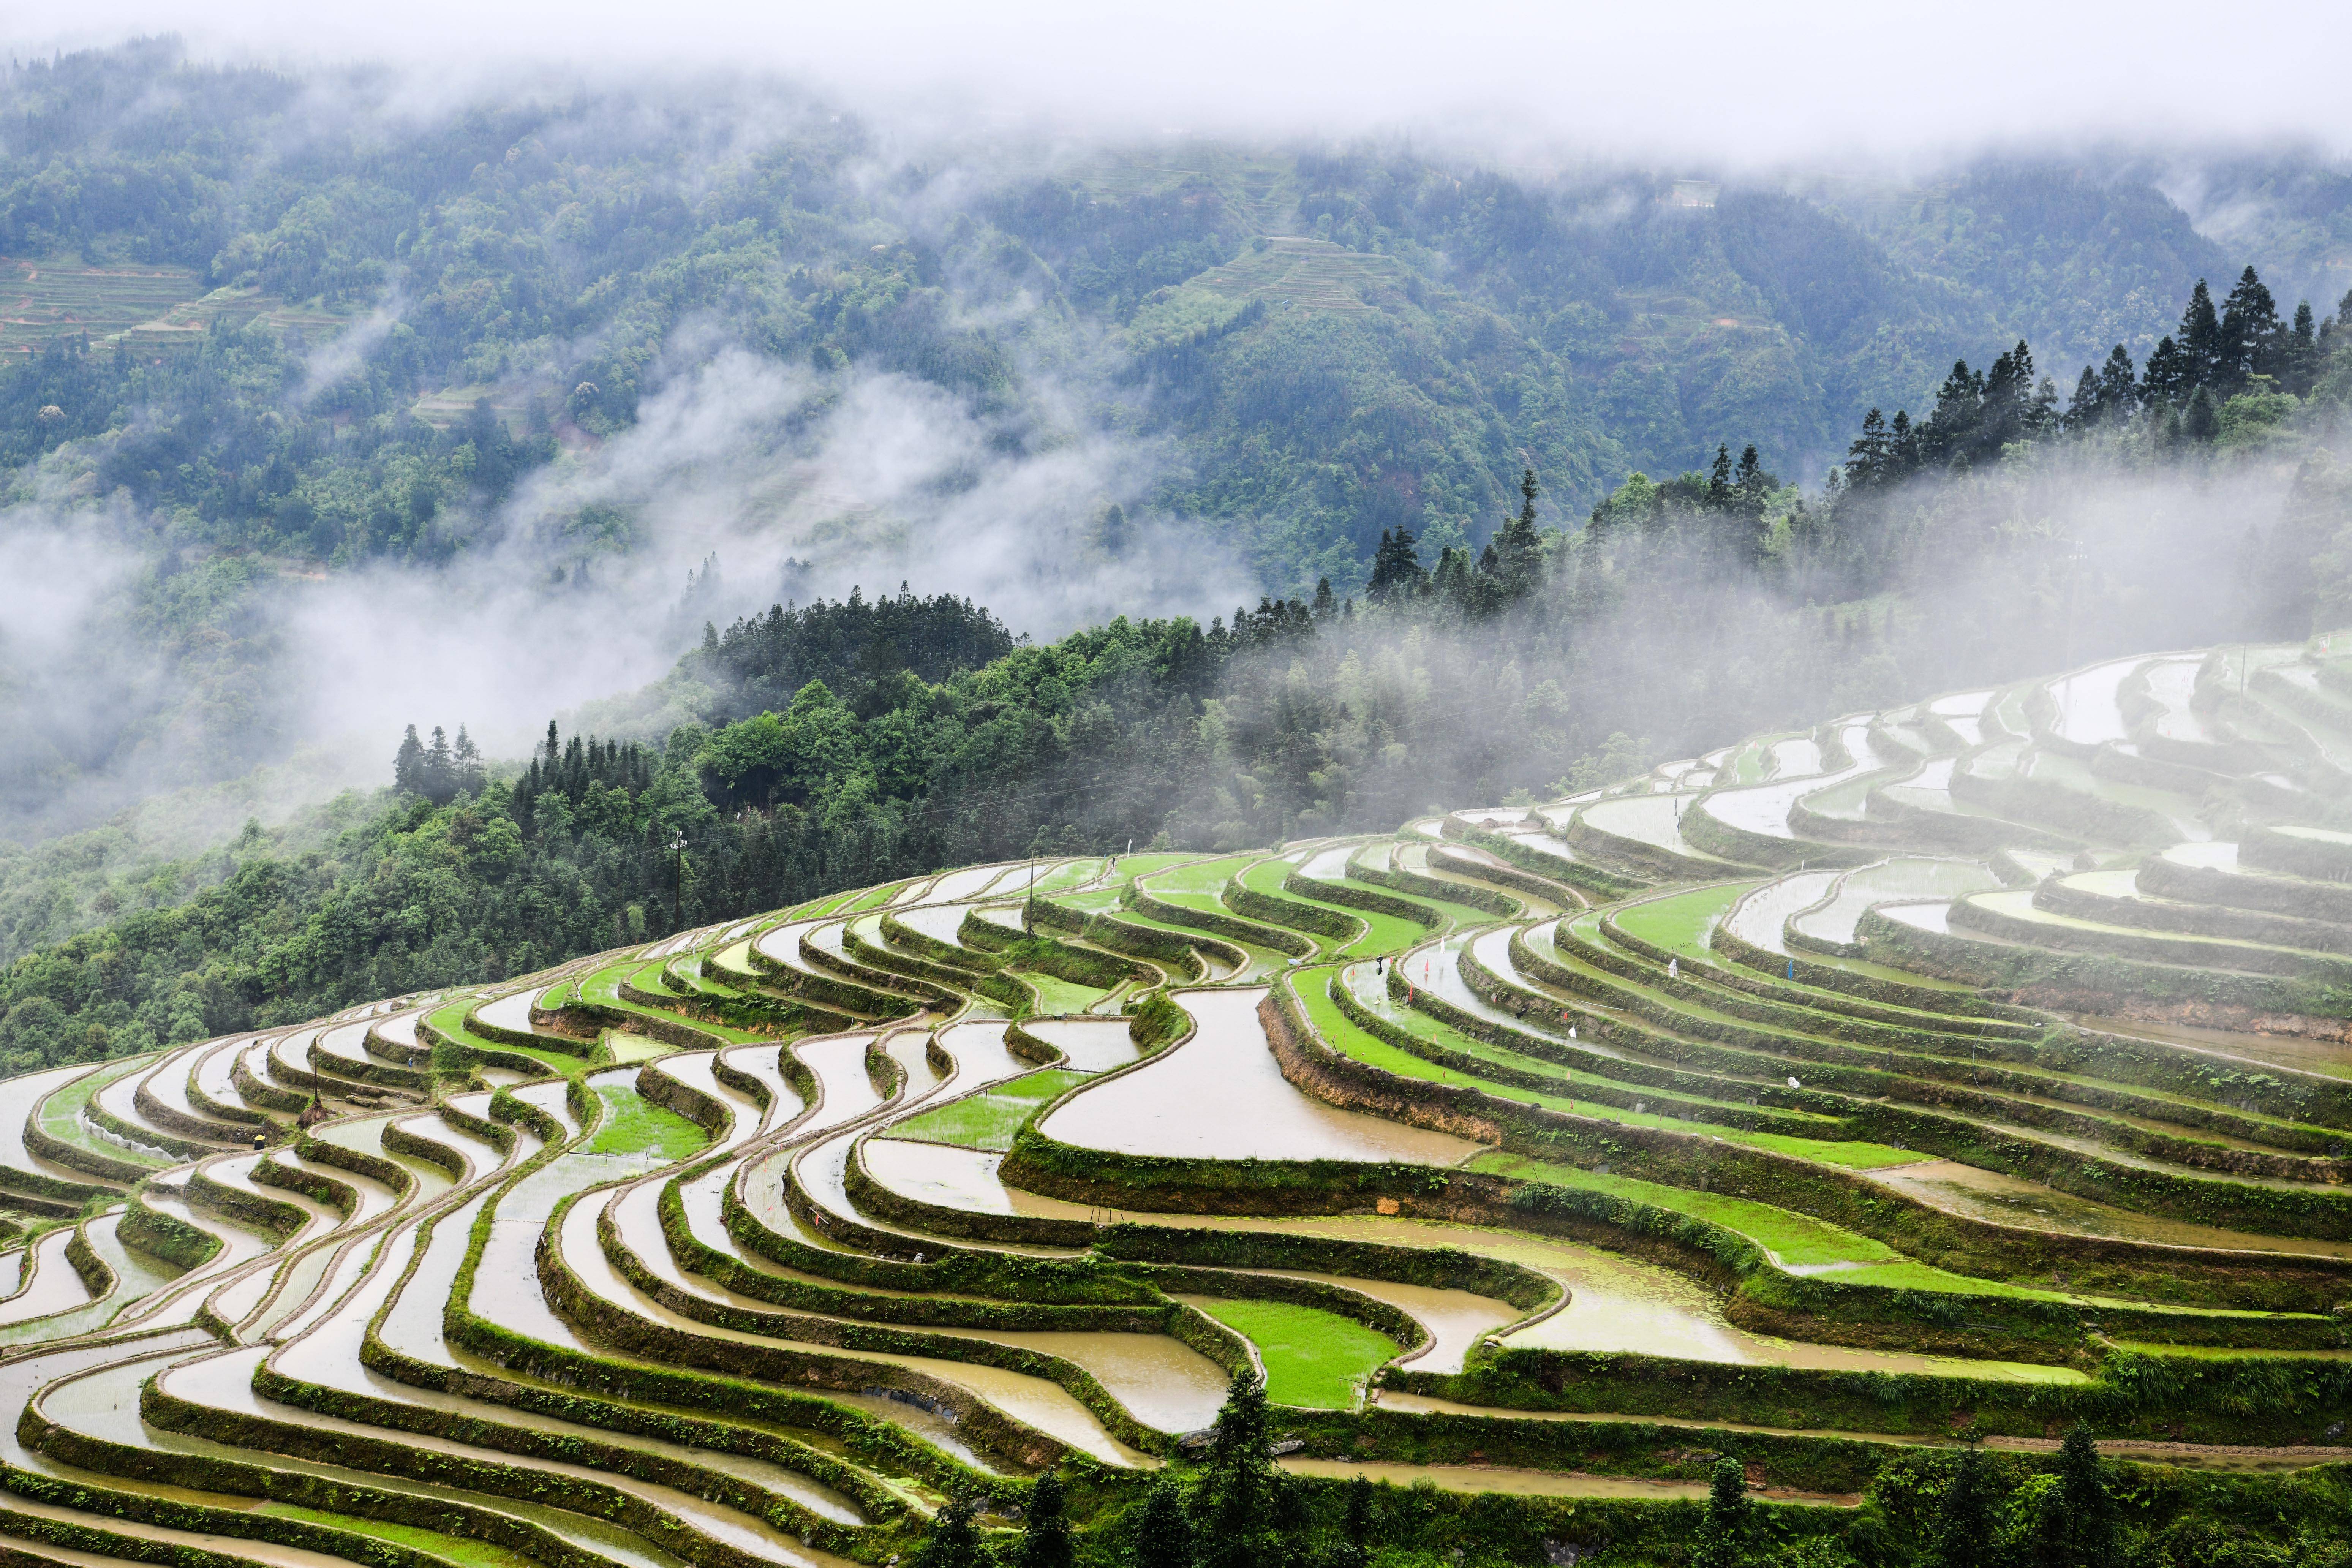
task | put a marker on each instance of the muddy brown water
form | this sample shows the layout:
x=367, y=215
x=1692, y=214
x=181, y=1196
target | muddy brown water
x=1615, y=1304
x=1091, y=1047
x=1528, y=1483
x=1042, y=1403
x=2011, y=1200
x=20, y=1378
x=105, y=1403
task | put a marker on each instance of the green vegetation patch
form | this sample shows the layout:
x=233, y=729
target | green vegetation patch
x=1382, y=933
x=1314, y=1359
x=1058, y=995
x=1201, y=877
x=1799, y=1241
x=636, y=1125
x=989, y=1118
x=455, y=1549
x=1680, y=924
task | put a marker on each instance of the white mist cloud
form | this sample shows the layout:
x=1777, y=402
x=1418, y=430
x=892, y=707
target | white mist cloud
x=72, y=693
x=1725, y=82
x=864, y=481
x=340, y=357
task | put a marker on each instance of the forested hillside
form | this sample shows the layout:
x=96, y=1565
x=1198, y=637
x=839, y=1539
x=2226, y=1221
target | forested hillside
x=264, y=330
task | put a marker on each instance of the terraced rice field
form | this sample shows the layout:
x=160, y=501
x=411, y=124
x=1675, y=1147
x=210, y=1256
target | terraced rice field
x=1958, y=1067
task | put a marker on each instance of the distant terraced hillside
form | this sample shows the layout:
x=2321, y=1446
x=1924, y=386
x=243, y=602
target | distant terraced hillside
x=1952, y=1073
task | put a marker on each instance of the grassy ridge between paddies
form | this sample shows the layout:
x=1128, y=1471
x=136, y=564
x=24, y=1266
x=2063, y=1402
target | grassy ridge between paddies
x=1382, y=933
x=448, y=1020
x=602, y=989
x=1462, y=915
x=1341, y=1033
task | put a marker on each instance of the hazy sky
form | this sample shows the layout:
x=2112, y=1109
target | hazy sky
x=1726, y=82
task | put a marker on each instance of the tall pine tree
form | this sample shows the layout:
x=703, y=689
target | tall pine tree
x=439, y=769
x=1246, y=1513
x=1162, y=1535
x=1356, y=1526
x=1719, y=491
x=1963, y=1526
x=1512, y=565
x=2075, y=1526
x=408, y=764
x=954, y=1540
x=1723, y=1533
x=1396, y=569
x=2205, y=351
x=2252, y=337
x=1045, y=1534
x=2169, y=376
x=2119, y=391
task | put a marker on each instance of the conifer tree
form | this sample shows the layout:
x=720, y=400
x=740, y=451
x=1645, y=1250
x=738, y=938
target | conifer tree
x=1751, y=484
x=1163, y=1536
x=2202, y=347
x=2200, y=423
x=1450, y=584
x=2253, y=338
x=2084, y=409
x=2119, y=391
x=1901, y=447
x=1325, y=604
x=1718, y=480
x=1355, y=1525
x=439, y=769
x=1242, y=1497
x=1396, y=569
x=1045, y=1534
x=1513, y=562
x=408, y=764
x=1866, y=459
x=954, y=1540
x=2075, y=1524
x=2299, y=356
x=2168, y=376
x=1963, y=1525
x=468, y=773
x=1723, y=1533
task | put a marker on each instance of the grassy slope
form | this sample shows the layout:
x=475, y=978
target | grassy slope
x=1313, y=1359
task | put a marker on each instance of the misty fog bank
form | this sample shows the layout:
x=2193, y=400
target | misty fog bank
x=1734, y=86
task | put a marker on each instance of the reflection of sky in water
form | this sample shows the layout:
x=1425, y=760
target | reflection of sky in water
x=1221, y=1095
